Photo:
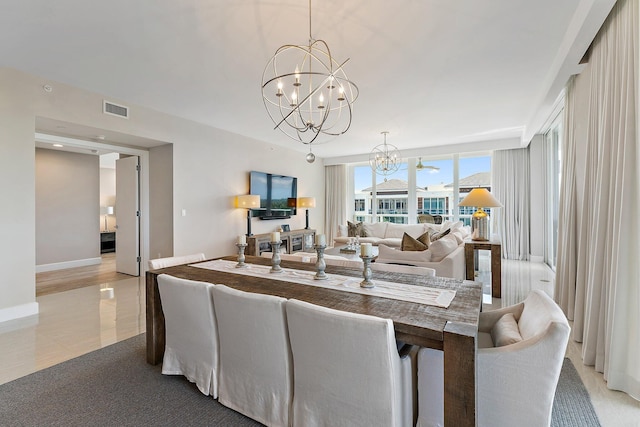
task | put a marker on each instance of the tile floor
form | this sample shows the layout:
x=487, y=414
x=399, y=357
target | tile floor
x=76, y=322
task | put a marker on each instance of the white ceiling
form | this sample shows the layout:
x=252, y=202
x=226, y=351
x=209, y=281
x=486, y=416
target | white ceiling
x=431, y=72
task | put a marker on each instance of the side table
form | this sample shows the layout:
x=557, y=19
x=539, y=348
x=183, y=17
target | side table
x=470, y=246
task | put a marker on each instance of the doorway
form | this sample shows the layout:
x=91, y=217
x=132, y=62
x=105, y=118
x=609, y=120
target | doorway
x=138, y=234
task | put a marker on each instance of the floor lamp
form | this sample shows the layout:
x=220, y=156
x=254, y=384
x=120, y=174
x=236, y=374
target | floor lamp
x=307, y=203
x=248, y=202
x=480, y=198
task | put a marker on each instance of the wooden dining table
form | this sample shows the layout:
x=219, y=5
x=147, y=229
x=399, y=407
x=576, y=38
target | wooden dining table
x=453, y=329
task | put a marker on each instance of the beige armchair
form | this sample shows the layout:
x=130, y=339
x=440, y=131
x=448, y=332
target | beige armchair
x=517, y=379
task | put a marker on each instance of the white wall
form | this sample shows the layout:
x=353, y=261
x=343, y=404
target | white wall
x=210, y=167
x=67, y=207
x=161, y=201
x=107, y=197
x=17, y=187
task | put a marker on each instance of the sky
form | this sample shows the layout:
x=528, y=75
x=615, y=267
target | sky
x=467, y=165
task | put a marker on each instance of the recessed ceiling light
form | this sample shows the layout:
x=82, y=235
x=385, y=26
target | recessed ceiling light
x=58, y=145
x=100, y=137
x=47, y=88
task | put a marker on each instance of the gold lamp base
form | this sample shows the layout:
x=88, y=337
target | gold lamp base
x=480, y=226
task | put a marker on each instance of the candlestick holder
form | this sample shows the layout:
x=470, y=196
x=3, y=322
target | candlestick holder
x=241, y=258
x=366, y=272
x=320, y=263
x=275, y=258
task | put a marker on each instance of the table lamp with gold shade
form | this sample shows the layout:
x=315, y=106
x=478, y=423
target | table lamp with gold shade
x=480, y=198
x=307, y=203
x=248, y=202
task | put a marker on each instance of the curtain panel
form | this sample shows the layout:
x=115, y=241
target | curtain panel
x=598, y=273
x=510, y=185
x=335, y=192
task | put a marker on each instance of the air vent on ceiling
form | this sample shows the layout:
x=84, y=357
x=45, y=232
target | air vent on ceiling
x=115, y=109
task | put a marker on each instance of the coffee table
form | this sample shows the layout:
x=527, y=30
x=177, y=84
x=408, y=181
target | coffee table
x=350, y=256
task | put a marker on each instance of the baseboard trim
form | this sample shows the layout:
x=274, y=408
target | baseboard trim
x=68, y=264
x=18, y=311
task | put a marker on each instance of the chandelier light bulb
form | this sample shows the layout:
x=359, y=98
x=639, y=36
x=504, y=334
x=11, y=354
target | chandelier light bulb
x=331, y=79
x=297, y=77
x=321, y=100
x=279, y=92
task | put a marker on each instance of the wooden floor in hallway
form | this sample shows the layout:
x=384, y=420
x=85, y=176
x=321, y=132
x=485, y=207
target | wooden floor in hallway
x=73, y=278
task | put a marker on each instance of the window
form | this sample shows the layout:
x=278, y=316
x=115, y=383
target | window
x=435, y=187
x=474, y=172
x=420, y=186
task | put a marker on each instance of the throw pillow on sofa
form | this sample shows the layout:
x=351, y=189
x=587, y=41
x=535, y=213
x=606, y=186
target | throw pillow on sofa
x=375, y=229
x=438, y=236
x=505, y=331
x=398, y=230
x=356, y=230
x=411, y=244
x=442, y=247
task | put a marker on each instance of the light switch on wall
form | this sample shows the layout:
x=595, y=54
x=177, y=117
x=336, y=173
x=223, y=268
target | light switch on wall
x=184, y=212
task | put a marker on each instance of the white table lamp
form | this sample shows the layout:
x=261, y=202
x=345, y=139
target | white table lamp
x=480, y=198
x=248, y=202
x=307, y=203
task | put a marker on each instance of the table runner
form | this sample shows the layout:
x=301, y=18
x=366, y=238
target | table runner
x=397, y=291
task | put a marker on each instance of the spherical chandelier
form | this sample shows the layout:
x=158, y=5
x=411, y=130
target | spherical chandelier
x=384, y=158
x=306, y=92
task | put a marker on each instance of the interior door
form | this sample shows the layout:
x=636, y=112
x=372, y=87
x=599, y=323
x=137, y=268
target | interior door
x=128, y=216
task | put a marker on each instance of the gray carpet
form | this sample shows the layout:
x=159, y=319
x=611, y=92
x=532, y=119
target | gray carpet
x=572, y=405
x=115, y=386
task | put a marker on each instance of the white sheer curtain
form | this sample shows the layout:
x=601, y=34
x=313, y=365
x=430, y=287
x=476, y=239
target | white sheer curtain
x=510, y=185
x=335, y=192
x=598, y=273
x=567, y=250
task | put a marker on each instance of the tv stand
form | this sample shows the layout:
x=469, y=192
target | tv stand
x=292, y=241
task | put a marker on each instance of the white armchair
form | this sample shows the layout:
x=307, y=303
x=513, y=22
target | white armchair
x=517, y=380
x=191, y=343
x=347, y=370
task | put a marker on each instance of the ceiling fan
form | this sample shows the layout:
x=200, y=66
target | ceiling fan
x=420, y=166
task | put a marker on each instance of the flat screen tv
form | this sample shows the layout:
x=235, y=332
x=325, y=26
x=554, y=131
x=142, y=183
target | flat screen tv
x=277, y=195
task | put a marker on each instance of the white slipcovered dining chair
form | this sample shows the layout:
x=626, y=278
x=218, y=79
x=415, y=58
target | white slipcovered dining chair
x=520, y=353
x=347, y=370
x=191, y=334
x=255, y=357
x=157, y=263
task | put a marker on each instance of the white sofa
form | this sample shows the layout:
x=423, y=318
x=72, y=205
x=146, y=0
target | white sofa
x=447, y=258
x=385, y=233
x=452, y=265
